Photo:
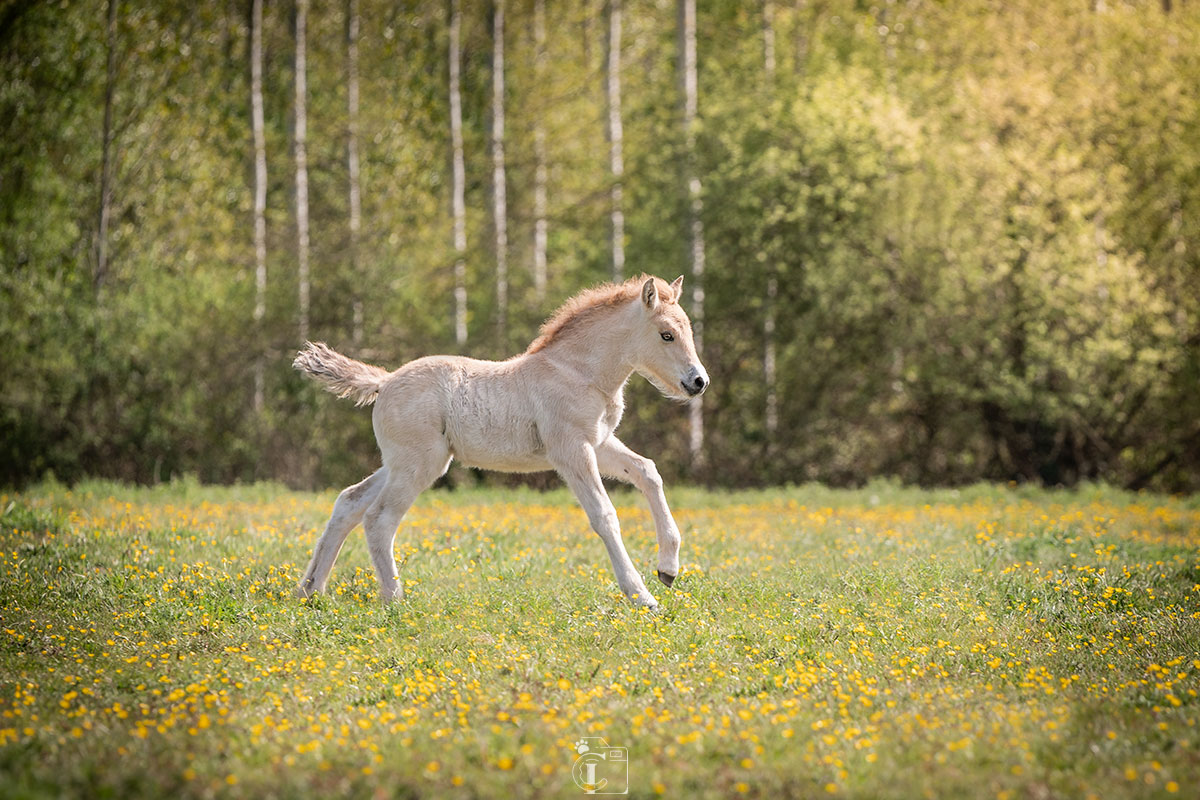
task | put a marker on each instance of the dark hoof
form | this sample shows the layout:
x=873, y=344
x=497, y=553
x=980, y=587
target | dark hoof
x=665, y=578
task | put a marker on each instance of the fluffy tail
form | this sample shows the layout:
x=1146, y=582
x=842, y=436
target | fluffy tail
x=343, y=376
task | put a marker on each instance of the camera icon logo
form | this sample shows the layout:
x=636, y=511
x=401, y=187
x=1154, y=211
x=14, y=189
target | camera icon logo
x=600, y=769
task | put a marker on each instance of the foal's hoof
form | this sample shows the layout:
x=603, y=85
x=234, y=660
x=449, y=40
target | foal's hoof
x=304, y=591
x=665, y=578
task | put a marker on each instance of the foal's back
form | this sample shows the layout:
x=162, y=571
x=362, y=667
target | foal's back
x=485, y=412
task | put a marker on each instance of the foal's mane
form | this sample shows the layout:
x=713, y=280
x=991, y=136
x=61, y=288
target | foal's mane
x=591, y=301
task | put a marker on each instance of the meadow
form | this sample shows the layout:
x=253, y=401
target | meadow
x=885, y=642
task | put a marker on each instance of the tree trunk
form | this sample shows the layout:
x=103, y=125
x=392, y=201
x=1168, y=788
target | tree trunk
x=302, y=162
x=106, y=156
x=771, y=412
x=687, y=46
x=499, y=189
x=800, y=40
x=540, y=234
x=260, y=192
x=616, y=138
x=458, y=200
x=352, y=163
x=768, y=31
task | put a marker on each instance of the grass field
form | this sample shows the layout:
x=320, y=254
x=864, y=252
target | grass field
x=883, y=643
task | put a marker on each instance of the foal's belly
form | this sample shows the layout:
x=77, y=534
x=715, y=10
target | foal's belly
x=487, y=447
x=500, y=462
x=502, y=439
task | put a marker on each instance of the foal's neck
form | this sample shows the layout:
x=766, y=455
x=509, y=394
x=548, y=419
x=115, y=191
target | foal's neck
x=596, y=351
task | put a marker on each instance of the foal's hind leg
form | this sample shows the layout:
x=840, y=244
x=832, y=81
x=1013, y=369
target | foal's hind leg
x=410, y=473
x=348, y=511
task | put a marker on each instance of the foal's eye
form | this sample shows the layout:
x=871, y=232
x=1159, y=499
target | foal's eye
x=667, y=336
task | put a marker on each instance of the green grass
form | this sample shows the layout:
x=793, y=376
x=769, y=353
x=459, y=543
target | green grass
x=883, y=643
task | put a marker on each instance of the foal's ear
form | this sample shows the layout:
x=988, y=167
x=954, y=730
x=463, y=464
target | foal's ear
x=650, y=294
x=677, y=287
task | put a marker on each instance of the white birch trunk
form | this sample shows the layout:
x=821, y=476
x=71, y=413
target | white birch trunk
x=616, y=137
x=687, y=20
x=771, y=412
x=768, y=31
x=540, y=232
x=499, y=189
x=352, y=168
x=260, y=192
x=458, y=200
x=106, y=155
x=302, y=164
x=800, y=39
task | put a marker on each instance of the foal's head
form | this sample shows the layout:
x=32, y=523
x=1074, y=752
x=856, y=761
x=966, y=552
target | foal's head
x=663, y=350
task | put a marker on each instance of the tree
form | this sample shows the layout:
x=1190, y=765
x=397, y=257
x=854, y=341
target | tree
x=771, y=410
x=687, y=64
x=260, y=191
x=540, y=226
x=106, y=156
x=616, y=137
x=301, y=107
x=499, y=188
x=352, y=166
x=458, y=189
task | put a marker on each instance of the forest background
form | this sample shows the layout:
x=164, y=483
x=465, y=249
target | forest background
x=935, y=242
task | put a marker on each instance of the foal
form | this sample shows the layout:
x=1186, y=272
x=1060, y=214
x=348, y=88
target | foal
x=555, y=406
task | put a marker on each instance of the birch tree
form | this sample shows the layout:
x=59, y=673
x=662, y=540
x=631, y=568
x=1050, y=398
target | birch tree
x=352, y=170
x=106, y=155
x=687, y=59
x=301, y=82
x=615, y=138
x=458, y=189
x=499, y=194
x=540, y=227
x=771, y=412
x=260, y=190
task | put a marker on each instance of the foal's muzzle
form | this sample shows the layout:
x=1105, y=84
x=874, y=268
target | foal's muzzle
x=695, y=382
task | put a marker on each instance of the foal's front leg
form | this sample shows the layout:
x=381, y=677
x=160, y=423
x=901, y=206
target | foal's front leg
x=618, y=461
x=577, y=465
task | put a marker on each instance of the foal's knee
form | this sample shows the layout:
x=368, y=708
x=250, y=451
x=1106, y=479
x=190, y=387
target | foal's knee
x=652, y=477
x=648, y=476
x=605, y=523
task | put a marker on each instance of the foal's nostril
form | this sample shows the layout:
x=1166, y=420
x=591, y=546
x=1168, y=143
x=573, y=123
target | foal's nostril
x=694, y=382
x=694, y=385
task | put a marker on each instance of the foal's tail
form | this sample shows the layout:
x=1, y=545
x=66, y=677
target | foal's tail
x=343, y=376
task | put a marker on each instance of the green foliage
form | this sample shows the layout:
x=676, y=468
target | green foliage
x=984, y=221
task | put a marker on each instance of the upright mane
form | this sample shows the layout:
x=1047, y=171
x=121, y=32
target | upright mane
x=590, y=301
